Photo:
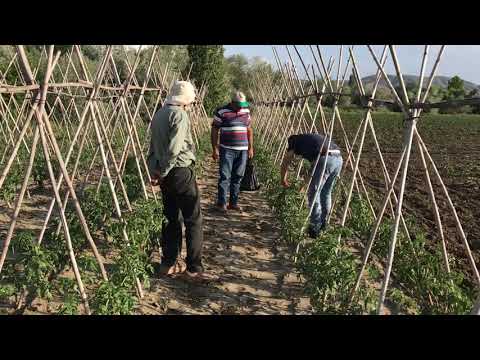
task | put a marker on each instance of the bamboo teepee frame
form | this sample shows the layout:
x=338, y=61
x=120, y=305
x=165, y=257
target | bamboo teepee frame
x=92, y=111
x=280, y=107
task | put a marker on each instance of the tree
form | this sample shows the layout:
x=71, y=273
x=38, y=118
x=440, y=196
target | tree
x=176, y=56
x=208, y=66
x=91, y=52
x=6, y=53
x=456, y=88
x=455, y=91
x=259, y=69
x=237, y=67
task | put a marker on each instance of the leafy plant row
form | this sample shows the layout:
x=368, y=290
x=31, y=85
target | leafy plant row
x=33, y=269
x=34, y=266
x=330, y=267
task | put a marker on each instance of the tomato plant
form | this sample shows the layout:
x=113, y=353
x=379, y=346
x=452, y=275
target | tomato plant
x=11, y=184
x=68, y=289
x=111, y=299
x=34, y=265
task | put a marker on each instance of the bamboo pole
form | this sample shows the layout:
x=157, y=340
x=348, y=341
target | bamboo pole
x=411, y=124
x=452, y=208
x=40, y=114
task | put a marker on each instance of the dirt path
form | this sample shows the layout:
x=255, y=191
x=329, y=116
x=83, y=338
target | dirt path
x=255, y=275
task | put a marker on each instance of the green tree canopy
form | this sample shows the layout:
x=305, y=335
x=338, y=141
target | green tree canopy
x=237, y=67
x=455, y=88
x=209, y=67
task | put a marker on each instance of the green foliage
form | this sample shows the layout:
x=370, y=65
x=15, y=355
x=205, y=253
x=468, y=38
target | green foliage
x=40, y=172
x=96, y=206
x=286, y=202
x=428, y=288
x=237, y=66
x=111, y=299
x=455, y=91
x=330, y=272
x=88, y=263
x=35, y=265
x=130, y=264
x=209, y=68
x=406, y=304
x=89, y=268
x=177, y=56
x=345, y=100
x=6, y=54
x=362, y=221
x=132, y=180
x=427, y=280
x=141, y=224
x=243, y=72
x=6, y=290
x=68, y=289
x=56, y=246
x=11, y=184
x=330, y=268
x=143, y=227
x=91, y=52
x=456, y=88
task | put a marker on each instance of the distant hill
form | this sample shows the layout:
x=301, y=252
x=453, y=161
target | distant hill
x=441, y=81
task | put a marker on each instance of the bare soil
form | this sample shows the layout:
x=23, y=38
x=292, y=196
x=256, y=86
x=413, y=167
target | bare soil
x=243, y=250
x=255, y=275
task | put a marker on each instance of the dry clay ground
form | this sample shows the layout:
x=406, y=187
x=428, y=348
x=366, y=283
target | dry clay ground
x=244, y=251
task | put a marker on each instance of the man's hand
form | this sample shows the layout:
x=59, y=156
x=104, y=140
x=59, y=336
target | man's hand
x=156, y=181
x=285, y=183
x=215, y=154
x=250, y=153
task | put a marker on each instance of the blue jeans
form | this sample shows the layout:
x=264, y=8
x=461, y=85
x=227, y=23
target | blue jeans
x=232, y=168
x=322, y=203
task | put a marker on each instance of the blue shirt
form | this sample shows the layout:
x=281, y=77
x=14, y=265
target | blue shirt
x=309, y=145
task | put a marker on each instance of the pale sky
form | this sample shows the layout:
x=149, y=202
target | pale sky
x=461, y=60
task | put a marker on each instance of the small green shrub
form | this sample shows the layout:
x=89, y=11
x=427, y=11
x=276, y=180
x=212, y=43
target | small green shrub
x=111, y=299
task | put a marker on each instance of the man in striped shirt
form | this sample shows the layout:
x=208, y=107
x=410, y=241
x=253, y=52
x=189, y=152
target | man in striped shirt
x=232, y=143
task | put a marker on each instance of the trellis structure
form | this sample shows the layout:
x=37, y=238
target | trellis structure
x=282, y=109
x=70, y=112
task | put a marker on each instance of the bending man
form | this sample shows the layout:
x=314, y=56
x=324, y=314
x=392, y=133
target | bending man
x=312, y=147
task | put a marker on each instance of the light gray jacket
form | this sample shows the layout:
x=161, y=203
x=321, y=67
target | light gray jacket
x=171, y=143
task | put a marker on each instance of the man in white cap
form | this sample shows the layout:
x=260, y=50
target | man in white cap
x=171, y=162
x=232, y=143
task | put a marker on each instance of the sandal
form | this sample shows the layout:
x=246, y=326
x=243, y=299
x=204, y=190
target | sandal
x=175, y=269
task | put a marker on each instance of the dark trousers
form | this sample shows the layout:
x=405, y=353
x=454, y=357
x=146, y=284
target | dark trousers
x=232, y=168
x=181, y=197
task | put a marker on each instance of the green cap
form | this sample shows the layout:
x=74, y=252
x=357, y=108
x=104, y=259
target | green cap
x=239, y=98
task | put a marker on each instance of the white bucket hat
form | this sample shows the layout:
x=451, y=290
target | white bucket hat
x=181, y=93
